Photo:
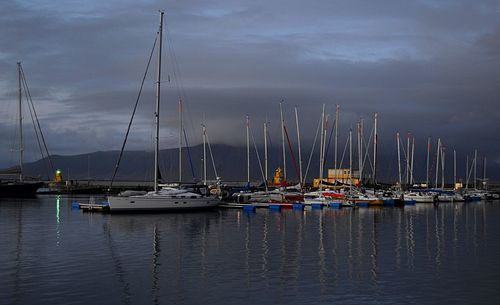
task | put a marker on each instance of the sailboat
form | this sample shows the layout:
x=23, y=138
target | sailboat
x=165, y=197
x=18, y=187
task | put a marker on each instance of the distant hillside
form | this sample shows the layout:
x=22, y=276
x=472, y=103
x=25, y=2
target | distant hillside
x=230, y=163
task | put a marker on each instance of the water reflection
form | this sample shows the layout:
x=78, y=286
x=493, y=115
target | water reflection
x=18, y=255
x=119, y=267
x=329, y=256
x=58, y=220
x=155, y=265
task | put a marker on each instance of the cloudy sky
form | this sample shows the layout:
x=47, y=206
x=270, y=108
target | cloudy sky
x=428, y=67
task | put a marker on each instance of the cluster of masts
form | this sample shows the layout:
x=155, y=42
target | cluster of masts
x=366, y=153
x=471, y=165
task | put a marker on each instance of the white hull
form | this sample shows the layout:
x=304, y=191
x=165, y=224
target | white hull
x=419, y=198
x=161, y=202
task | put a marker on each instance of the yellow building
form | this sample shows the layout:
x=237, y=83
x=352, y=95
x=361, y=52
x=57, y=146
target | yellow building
x=342, y=175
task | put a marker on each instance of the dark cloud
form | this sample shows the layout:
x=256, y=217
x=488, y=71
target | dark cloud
x=428, y=67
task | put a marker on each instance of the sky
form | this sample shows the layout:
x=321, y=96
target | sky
x=429, y=68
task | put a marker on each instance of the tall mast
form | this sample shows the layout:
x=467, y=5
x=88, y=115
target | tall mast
x=442, y=166
x=21, y=140
x=325, y=131
x=204, y=154
x=375, y=142
x=412, y=157
x=265, y=153
x=283, y=139
x=408, y=158
x=361, y=142
x=467, y=173
x=484, y=173
x=399, y=160
x=248, y=149
x=350, y=160
x=180, y=139
x=298, y=144
x=475, y=169
x=428, y=156
x=336, y=136
x=321, y=148
x=157, y=113
x=360, y=153
x=437, y=161
x=454, y=168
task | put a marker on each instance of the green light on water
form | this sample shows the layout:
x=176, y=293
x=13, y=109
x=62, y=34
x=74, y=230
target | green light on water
x=58, y=199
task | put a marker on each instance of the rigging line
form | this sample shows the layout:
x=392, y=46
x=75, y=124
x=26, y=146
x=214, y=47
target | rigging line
x=181, y=92
x=258, y=159
x=343, y=153
x=330, y=140
x=33, y=121
x=212, y=157
x=189, y=155
x=37, y=121
x=292, y=154
x=368, y=151
x=133, y=112
x=312, y=150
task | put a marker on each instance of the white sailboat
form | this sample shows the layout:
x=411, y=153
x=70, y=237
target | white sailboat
x=164, y=198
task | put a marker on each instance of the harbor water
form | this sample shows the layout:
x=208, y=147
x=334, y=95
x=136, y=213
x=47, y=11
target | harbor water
x=52, y=253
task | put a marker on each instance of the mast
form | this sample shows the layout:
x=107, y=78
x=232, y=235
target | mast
x=325, y=131
x=248, y=149
x=467, y=173
x=375, y=142
x=412, y=157
x=350, y=160
x=437, y=161
x=283, y=139
x=298, y=144
x=265, y=153
x=475, y=169
x=442, y=166
x=484, y=173
x=204, y=154
x=408, y=158
x=21, y=140
x=336, y=136
x=360, y=153
x=399, y=160
x=321, y=148
x=428, y=155
x=180, y=140
x=157, y=113
x=454, y=168
x=361, y=142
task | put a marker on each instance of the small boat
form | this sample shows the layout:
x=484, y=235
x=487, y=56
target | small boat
x=167, y=198
x=323, y=196
x=15, y=183
x=19, y=188
x=365, y=198
x=420, y=197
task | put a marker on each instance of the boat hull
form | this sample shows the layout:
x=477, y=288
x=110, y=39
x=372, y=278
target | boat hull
x=19, y=189
x=118, y=204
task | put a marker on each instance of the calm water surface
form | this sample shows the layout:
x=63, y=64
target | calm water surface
x=53, y=254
